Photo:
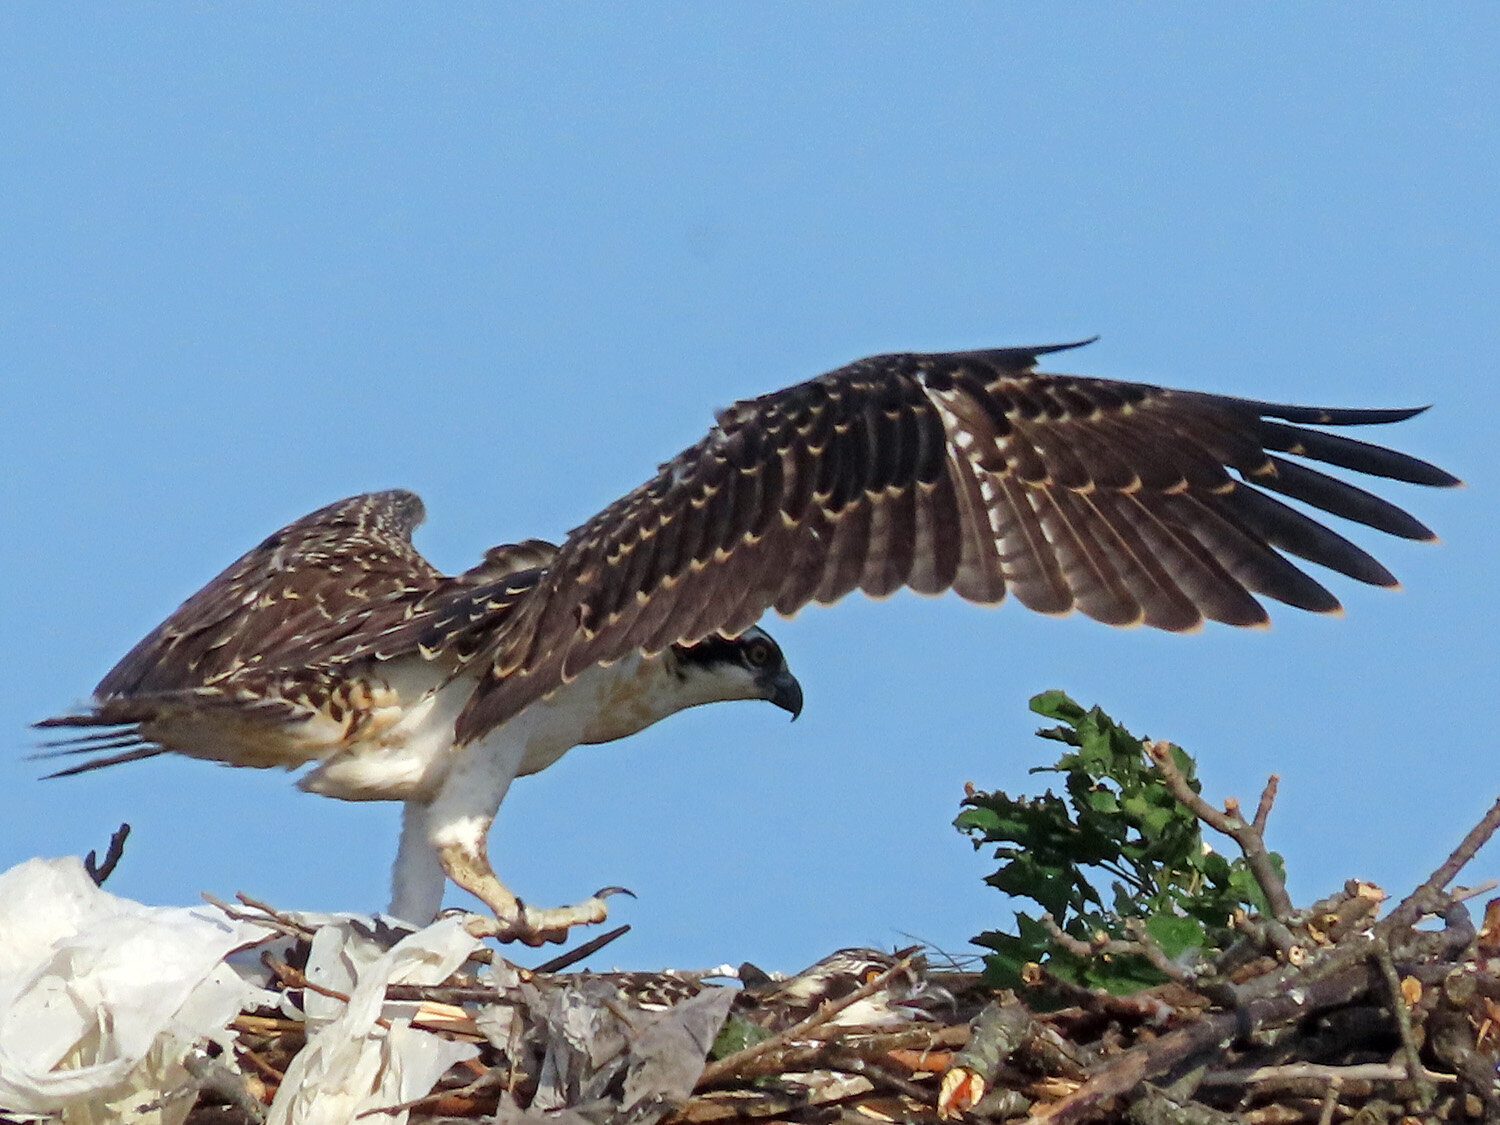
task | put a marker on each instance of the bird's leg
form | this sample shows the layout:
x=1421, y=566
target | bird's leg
x=470, y=868
x=458, y=824
x=417, y=880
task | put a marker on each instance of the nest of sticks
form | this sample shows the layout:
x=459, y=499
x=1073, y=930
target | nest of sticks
x=1341, y=1015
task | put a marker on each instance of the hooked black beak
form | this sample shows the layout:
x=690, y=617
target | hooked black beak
x=786, y=693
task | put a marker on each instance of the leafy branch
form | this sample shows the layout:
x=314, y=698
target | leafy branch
x=1130, y=892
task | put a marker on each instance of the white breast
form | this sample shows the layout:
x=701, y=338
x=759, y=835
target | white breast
x=411, y=756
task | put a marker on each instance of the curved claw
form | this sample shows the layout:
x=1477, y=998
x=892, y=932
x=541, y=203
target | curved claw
x=540, y=926
x=605, y=892
x=469, y=867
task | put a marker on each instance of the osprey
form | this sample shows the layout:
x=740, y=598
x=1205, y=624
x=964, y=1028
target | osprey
x=335, y=644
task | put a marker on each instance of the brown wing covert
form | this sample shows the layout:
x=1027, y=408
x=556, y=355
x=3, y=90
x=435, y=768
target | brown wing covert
x=970, y=471
x=288, y=602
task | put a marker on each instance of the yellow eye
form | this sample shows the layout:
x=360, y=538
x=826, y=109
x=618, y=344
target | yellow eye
x=758, y=654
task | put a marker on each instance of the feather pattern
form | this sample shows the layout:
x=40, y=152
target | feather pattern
x=340, y=572
x=294, y=631
x=968, y=471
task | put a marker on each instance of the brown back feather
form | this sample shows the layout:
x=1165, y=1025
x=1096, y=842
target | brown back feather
x=289, y=602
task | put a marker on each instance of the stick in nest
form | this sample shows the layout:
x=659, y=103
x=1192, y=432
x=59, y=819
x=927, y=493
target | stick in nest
x=726, y=1066
x=587, y=949
x=1248, y=834
x=99, y=872
x=1333, y=979
x=1420, y=900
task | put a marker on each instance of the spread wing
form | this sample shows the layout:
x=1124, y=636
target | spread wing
x=292, y=601
x=965, y=471
x=270, y=641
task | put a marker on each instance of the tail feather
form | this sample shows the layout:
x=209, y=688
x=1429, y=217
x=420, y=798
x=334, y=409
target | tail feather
x=64, y=748
x=83, y=741
x=144, y=750
x=84, y=719
x=119, y=723
x=122, y=711
x=244, y=723
x=121, y=734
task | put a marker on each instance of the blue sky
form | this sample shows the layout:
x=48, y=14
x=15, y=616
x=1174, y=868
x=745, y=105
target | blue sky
x=257, y=258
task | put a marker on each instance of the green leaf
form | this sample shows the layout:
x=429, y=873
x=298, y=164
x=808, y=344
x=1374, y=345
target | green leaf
x=736, y=1034
x=1151, y=820
x=1117, y=828
x=1056, y=705
x=971, y=820
x=1122, y=975
x=1175, y=934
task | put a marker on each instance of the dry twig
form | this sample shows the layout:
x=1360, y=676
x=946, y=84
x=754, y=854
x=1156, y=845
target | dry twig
x=587, y=949
x=1245, y=833
x=99, y=872
x=725, y=1067
x=271, y=921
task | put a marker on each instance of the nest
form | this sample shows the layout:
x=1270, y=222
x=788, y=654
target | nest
x=1358, y=1021
x=1325, y=1014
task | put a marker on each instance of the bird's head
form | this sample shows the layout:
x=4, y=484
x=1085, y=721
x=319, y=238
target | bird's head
x=749, y=666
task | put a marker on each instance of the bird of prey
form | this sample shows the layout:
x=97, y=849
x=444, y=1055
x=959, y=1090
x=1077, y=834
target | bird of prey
x=335, y=644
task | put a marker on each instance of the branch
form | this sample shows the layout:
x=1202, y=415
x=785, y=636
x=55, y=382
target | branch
x=1426, y=1090
x=1337, y=978
x=491, y=1079
x=826, y=1011
x=452, y=994
x=1420, y=901
x=587, y=949
x=1142, y=944
x=1229, y=821
x=1123, y=1071
x=1138, y=1007
x=270, y=919
x=99, y=872
x=1002, y=1030
x=1287, y=1073
x=1425, y=899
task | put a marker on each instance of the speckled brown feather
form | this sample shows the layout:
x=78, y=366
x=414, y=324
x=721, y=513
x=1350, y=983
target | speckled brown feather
x=967, y=471
x=291, y=601
x=294, y=629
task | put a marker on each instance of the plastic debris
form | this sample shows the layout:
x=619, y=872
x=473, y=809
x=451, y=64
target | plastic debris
x=101, y=998
x=363, y=1055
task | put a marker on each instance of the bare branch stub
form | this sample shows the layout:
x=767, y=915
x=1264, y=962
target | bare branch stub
x=1244, y=833
x=1267, y=799
x=99, y=872
x=1421, y=900
x=587, y=949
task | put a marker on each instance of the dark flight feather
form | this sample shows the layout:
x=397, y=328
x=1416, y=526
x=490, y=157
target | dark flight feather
x=970, y=471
